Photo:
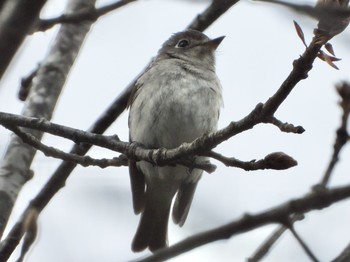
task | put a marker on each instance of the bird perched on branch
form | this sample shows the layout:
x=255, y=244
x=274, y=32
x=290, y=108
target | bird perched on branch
x=177, y=99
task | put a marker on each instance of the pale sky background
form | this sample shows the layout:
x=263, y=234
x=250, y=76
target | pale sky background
x=92, y=220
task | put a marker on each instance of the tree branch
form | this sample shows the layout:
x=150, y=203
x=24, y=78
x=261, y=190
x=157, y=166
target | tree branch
x=277, y=160
x=80, y=16
x=56, y=153
x=216, y=9
x=317, y=199
x=344, y=255
x=16, y=20
x=42, y=99
x=341, y=139
x=342, y=133
x=268, y=244
x=285, y=127
x=307, y=250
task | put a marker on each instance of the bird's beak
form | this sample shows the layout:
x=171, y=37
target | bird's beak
x=214, y=43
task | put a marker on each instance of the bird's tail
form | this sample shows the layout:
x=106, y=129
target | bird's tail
x=152, y=231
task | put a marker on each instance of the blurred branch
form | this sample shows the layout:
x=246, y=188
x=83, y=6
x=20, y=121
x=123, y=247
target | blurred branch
x=26, y=84
x=317, y=199
x=328, y=9
x=42, y=99
x=30, y=230
x=341, y=139
x=216, y=9
x=268, y=244
x=305, y=247
x=333, y=16
x=344, y=255
x=342, y=133
x=16, y=20
x=80, y=15
x=2, y=2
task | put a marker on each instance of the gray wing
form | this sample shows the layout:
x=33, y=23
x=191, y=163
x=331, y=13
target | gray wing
x=137, y=179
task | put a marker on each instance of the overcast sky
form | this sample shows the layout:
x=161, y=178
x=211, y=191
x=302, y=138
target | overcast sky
x=92, y=219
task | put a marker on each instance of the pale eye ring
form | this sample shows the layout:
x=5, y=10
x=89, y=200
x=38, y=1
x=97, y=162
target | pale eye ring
x=182, y=43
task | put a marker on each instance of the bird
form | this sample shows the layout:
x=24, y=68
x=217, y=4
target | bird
x=175, y=100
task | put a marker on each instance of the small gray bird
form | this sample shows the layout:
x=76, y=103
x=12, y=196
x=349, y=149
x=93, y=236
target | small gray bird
x=176, y=100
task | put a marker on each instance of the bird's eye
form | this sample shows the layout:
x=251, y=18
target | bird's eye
x=182, y=43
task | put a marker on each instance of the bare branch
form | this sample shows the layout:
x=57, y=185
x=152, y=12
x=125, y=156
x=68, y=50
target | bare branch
x=216, y=9
x=277, y=160
x=30, y=230
x=330, y=10
x=132, y=150
x=54, y=152
x=344, y=255
x=303, y=244
x=26, y=84
x=268, y=244
x=16, y=20
x=41, y=102
x=285, y=127
x=80, y=16
x=49, y=81
x=341, y=139
x=88, y=161
x=333, y=16
x=316, y=199
x=342, y=133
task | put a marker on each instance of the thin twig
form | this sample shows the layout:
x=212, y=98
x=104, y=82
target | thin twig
x=277, y=161
x=268, y=244
x=340, y=141
x=131, y=150
x=342, y=133
x=56, y=153
x=285, y=127
x=303, y=244
x=80, y=16
x=216, y=9
x=329, y=11
x=122, y=160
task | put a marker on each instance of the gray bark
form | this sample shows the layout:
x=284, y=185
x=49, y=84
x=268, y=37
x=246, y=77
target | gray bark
x=45, y=90
x=16, y=20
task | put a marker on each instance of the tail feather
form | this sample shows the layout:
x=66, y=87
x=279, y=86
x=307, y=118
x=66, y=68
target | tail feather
x=138, y=186
x=183, y=202
x=152, y=231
